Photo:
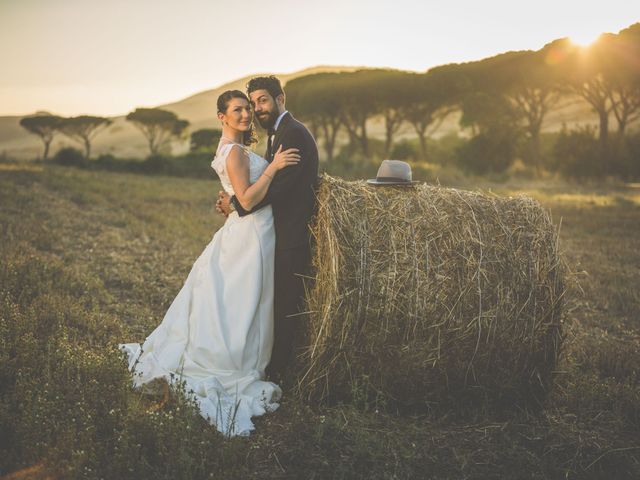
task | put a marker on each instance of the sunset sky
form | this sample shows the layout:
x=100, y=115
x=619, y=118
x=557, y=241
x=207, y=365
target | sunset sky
x=108, y=57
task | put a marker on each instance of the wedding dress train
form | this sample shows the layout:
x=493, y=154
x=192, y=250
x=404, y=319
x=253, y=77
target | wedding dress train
x=217, y=334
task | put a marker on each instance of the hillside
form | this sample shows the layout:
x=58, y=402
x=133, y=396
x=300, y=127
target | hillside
x=123, y=140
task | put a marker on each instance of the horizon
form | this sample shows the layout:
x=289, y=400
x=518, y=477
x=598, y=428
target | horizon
x=113, y=71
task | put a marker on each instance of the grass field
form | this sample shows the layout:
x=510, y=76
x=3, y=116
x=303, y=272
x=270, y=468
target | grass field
x=90, y=259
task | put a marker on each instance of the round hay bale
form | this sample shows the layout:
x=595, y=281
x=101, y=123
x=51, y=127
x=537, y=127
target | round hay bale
x=427, y=295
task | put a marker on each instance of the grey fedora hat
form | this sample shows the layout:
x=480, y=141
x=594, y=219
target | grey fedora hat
x=393, y=172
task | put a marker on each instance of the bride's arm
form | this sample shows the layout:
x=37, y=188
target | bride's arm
x=248, y=194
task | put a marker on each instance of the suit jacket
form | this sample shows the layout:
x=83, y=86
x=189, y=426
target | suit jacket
x=292, y=191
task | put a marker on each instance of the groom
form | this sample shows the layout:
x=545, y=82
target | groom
x=292, y=197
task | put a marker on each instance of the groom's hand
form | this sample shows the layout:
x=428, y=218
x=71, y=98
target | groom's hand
x=222, y=205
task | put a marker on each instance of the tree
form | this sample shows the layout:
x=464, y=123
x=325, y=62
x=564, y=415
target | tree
x=45, y=126
x=392, y=98
x=607, y=77
x=491, y=113
x=623, y=70
x=316, y=99
x=515, y=87
x=435, y=96
x=484, y=111
x=584, y=76
x=495, y=133
x=205, y=140
x=530, y=85
x=83, y=129
x=355, y=89
x=158, y=126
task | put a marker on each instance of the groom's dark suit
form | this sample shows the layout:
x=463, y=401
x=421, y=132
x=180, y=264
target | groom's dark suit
x=292, y=197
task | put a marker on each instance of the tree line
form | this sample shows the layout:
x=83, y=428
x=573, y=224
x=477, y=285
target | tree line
x=502, y=101
x=158, y=126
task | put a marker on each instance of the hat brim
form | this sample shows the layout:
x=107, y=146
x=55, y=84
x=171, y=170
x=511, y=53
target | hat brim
x=374, y=181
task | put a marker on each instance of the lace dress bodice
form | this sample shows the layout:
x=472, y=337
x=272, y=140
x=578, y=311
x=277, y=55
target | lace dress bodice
x=257, y=165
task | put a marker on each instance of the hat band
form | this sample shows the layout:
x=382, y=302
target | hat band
x=392, y=179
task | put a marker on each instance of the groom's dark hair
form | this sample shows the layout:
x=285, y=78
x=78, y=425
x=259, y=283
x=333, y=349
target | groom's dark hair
x=271, y=84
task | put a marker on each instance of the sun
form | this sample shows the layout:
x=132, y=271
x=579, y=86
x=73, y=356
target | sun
x=584, y=39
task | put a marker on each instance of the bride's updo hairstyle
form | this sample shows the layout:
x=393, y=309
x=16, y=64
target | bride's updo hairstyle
x=249, y=136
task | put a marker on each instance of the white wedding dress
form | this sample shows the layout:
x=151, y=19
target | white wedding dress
x=218, y=333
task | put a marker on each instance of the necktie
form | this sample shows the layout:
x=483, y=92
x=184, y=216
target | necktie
x=270, y=132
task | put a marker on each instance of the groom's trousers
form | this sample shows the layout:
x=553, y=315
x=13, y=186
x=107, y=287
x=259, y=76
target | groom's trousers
x=290, y=267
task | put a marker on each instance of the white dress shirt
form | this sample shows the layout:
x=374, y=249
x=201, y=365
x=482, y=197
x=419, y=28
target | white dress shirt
x=275, y=126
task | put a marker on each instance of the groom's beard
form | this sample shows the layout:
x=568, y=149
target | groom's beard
x=267, y=120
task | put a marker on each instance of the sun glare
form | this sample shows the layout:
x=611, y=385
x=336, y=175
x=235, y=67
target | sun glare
x=584, y=39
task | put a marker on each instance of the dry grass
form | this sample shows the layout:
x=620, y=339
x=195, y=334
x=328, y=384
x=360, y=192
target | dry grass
x=427, y=294
x=87, y=258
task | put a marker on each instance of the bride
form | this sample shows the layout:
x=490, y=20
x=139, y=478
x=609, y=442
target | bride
x=217, y=335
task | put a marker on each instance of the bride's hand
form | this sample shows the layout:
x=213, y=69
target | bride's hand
x=285, y=158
